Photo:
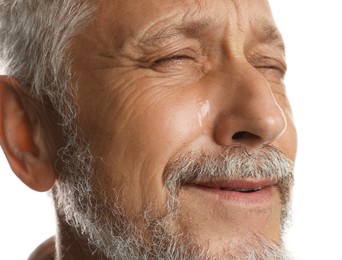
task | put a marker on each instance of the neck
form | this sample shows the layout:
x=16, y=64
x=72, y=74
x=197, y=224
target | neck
x=71, y=245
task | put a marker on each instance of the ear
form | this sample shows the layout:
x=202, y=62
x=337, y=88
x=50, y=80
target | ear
x=22, y=139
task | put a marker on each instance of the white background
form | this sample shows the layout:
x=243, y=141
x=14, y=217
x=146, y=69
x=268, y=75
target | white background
x=312, y=32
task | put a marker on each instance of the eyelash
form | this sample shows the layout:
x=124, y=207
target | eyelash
x=269, y=65
x=275, y=68
x=170, y=59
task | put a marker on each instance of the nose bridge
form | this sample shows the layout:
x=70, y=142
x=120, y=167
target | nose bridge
x=249, y=114
x=252, y=92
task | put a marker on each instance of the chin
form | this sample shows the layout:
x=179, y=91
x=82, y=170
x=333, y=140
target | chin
x=247, y=247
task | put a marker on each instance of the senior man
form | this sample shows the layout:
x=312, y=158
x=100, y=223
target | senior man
x=162, y=128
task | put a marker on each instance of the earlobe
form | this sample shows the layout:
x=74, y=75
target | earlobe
x=22, y=138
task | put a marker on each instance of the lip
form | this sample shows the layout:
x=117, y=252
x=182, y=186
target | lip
x=229, y=192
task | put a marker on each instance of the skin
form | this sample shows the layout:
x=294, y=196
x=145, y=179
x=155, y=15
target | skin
x=161, y=98
x=144, y=100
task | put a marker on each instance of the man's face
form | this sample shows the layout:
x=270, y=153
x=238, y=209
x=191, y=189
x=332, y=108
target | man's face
x=160, y=81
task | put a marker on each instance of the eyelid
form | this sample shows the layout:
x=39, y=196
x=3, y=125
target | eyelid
x=169, y=59
x=270, y=63
x=183, y=54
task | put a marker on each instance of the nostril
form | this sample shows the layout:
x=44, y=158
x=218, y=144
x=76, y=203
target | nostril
x=240, y=135
x=243, y=135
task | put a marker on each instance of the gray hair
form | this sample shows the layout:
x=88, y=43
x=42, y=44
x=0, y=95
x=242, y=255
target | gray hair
x=34, y=38
x=34, y=41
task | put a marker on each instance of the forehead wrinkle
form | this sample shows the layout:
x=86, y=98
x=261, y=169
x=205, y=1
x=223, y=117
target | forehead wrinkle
x=189, y=21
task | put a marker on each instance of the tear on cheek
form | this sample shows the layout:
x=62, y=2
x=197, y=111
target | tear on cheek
x=204, y=109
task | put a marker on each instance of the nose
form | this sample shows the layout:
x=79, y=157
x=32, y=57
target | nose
x=249, y=116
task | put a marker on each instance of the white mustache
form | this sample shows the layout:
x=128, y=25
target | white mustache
x=234, y=163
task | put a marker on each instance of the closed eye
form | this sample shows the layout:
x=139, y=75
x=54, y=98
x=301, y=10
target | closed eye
x=272, y=71
x=171, y=59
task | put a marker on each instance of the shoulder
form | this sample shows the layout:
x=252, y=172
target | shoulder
x=45, y=251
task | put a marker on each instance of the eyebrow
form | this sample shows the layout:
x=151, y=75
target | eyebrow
x=270, y=33
x=266, y=29
x=172, y=32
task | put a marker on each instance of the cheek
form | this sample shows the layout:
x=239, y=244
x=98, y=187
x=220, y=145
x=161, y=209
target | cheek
x=291, y=137
x=136, y=141
x=160, y=133
x=287, y=142
x=173, y=126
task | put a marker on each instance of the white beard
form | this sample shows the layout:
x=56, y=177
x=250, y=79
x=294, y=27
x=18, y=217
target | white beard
x=109, y=231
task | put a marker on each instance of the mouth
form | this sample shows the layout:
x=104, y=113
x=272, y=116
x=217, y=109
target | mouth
x=247, y=193
x=245, y=186
x=242, y=189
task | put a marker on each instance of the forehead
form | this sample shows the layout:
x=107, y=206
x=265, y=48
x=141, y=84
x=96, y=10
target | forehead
x=136, y=10
x=125, y=19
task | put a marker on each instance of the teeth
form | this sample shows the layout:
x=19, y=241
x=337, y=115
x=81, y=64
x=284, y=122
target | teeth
x=243, y=190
